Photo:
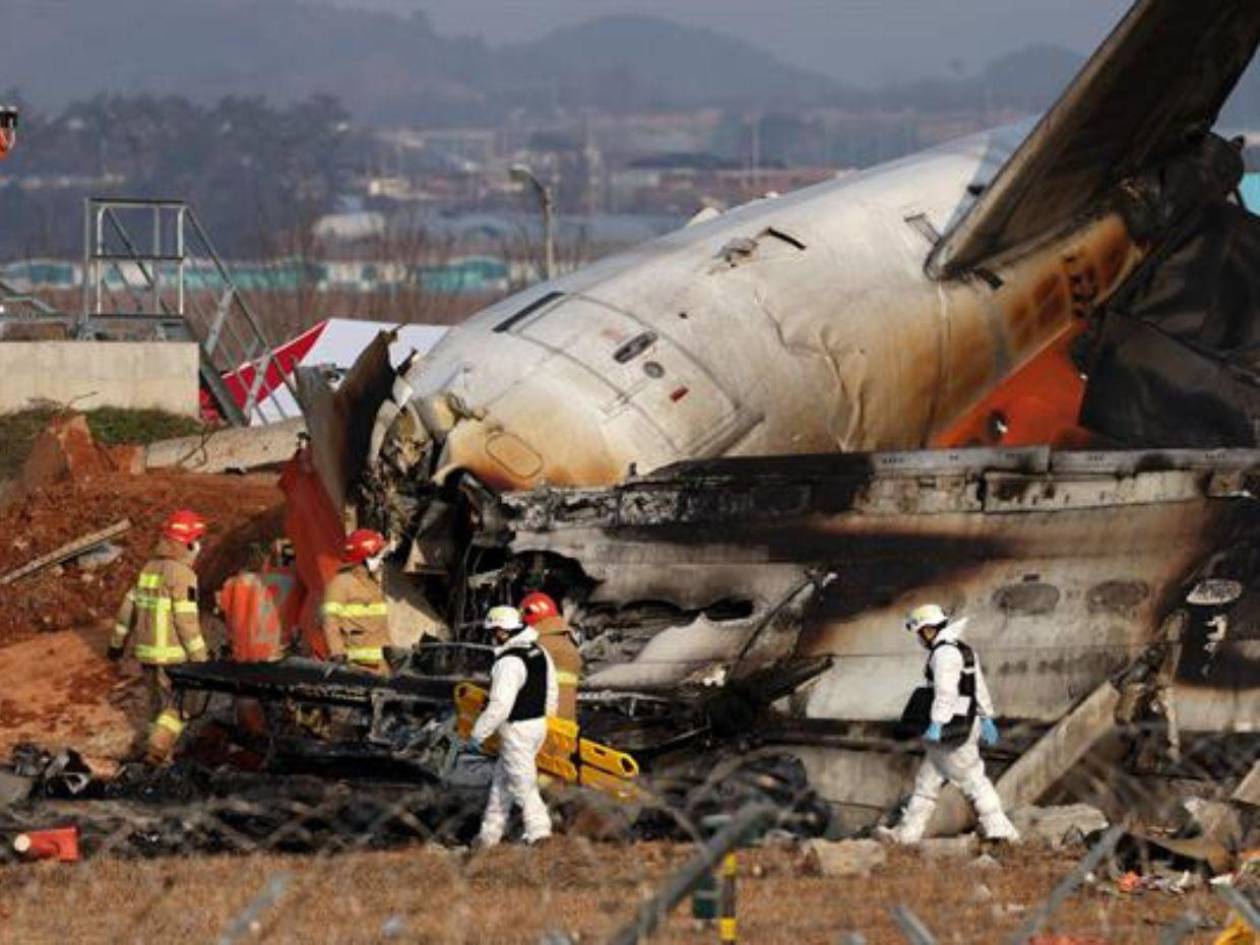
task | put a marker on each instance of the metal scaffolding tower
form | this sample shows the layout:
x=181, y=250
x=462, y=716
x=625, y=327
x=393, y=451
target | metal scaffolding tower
x=150, y=264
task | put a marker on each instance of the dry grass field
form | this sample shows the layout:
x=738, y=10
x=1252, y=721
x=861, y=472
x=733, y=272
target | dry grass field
x=514, y=894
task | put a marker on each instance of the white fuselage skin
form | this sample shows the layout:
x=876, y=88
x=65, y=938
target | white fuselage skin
x=795, y=324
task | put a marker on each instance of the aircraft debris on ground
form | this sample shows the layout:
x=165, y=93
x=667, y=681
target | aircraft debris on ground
x=740, y=453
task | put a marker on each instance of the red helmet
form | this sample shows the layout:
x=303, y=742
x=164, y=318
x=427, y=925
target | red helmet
x=184, y=526
x=538, y=606
x=362, y=543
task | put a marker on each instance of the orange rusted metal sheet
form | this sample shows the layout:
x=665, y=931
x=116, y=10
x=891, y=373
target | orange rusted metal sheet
x=313, y=525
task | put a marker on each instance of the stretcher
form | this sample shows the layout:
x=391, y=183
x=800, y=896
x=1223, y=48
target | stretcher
x=564, y=755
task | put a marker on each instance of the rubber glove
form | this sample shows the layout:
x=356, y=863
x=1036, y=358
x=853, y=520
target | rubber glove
x=473, y=747
x=988, y=732
x=933, y=733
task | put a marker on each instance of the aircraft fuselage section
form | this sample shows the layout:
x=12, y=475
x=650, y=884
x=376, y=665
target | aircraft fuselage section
x=795, y=324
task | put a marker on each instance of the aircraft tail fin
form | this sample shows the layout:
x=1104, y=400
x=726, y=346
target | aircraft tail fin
x=1154, y=85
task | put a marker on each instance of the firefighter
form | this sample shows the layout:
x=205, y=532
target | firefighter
x=160, y=614
x=522, y=694
x=354, y=616
x=554, y=636
x=959, y=701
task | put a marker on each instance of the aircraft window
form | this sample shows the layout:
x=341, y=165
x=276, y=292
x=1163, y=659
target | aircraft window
x=654, y=370
x=527, y=311
x=634, y=347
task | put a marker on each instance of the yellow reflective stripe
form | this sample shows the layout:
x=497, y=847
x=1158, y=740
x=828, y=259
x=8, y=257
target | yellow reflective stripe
x=186, y=607
x=566, y=679
x=149, y=580
x=149, y=602
x=160, y=654
x=355, y=610
x=365, y=654
x=170, y=721
x=196, y=645
x=727, y=930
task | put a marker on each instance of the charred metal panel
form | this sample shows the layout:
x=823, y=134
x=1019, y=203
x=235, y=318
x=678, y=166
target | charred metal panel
x=340, y=422
x=1060, y=590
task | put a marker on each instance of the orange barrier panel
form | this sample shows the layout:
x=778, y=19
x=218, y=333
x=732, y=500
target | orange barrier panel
x=316, y=531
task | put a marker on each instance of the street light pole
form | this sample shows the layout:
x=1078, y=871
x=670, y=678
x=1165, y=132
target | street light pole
x=523, y=175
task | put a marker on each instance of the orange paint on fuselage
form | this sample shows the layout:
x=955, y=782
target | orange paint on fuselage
x=1038, y=404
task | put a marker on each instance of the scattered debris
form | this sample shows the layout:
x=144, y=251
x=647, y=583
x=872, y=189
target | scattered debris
x=101, y=556
x=60, y=843
x=66, y=552
x=1140, y=849
x=247, y=922
x=844, y=857
x=1058, y=826
x=64, y=774
x=1130, y=882
x=1216, y=820
x=14, y=787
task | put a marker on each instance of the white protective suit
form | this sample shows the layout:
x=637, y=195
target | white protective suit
x=516, y=772
x=961, y=764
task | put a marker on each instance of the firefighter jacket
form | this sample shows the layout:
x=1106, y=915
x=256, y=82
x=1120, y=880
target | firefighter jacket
x=160, y=612
x=354, y=617
x=555, y=638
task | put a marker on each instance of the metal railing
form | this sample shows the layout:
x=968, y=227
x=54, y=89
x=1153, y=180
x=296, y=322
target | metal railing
x=173, y=281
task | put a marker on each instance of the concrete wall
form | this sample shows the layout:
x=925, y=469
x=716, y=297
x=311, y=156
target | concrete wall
x=87, y=374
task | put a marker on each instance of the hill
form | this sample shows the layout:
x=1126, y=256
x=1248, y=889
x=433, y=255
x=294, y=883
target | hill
x=386, y=68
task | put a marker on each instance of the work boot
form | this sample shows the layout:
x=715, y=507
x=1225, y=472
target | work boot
x=997, y=826
x=160, y=747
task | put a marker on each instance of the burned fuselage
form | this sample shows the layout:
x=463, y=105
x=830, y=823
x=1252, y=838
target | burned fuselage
x=684, y=442
x=1063, y=563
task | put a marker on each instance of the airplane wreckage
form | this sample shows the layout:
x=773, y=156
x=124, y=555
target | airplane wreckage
x=1018, y=374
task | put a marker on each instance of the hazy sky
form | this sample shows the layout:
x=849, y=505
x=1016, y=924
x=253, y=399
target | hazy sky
x=861, y=41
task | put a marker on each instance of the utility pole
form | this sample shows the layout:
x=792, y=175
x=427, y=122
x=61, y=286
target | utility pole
x=524, y=176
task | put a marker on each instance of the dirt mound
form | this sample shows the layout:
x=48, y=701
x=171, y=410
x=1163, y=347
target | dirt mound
x=244, y=514
x=58, y=690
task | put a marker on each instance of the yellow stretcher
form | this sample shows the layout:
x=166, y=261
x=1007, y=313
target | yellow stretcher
x=564, y=755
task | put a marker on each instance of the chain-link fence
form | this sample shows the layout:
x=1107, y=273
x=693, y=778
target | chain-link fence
x=217, y=853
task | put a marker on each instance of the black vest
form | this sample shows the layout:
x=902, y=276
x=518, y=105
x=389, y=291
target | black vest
x=531, y=701
x=966, y=683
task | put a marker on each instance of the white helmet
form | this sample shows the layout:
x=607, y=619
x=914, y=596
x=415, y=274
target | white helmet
x=503, y=618
x=926, y=615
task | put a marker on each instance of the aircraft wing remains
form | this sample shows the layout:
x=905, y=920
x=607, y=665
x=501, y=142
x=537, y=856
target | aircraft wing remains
x=1155, y=85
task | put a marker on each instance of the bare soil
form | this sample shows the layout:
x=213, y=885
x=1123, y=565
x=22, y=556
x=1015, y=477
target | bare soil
x=244, y=513
x=515, y=895
x=58, y=691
